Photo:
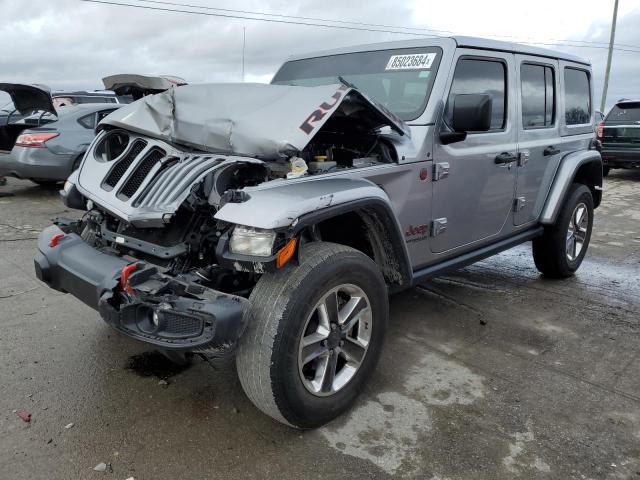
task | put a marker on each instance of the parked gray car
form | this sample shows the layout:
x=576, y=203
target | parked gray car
x=44, y=136
x=47, y=154
x=272, y=221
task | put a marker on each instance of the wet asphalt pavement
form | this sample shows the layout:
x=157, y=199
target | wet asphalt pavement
x=549, y=387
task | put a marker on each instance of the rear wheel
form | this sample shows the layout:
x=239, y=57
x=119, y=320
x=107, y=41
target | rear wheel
x=560, y=250
x=314, y=335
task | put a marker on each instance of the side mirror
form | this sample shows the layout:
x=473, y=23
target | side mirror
x=471, y=113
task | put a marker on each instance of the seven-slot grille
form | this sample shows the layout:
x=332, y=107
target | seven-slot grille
x=123, y=165
x=171, y=182
x=142, y=170
x=148, y=181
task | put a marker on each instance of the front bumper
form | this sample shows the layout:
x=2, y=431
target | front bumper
x=38, y=163
x=169, y=313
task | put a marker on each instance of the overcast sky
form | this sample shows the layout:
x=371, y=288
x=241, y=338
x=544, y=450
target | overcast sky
x=73, y=44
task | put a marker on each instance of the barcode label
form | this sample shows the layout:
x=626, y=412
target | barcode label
x=417, y=61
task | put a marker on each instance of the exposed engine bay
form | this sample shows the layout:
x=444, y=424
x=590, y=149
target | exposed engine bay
x=185, y=242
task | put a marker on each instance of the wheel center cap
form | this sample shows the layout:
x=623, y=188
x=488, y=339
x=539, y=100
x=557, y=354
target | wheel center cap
x=334, y=338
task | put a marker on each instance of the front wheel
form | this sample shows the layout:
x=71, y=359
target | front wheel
x=559, y=251
x=314, y=335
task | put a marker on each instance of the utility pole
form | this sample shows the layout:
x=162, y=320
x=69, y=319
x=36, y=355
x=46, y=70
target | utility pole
x=244, y=41
x=611, y=41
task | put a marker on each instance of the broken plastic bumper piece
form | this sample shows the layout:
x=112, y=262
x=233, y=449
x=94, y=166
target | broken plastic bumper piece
x=171, y=313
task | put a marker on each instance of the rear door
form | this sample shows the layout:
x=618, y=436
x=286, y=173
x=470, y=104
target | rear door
x=538, y=135
x=473, y=202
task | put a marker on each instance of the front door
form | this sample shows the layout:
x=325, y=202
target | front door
x=473, y=203
x=538, y=135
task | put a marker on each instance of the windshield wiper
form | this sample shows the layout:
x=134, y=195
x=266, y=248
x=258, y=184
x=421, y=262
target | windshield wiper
x=346, y=83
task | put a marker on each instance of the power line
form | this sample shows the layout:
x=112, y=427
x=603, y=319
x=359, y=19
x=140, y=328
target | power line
x=241, y=17
x=309, y=24
x=351, y=22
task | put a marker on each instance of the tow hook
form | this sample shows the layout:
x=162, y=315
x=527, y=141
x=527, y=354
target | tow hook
x=127, y=270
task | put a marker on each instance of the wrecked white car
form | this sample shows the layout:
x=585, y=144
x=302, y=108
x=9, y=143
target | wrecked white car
x=272, y=221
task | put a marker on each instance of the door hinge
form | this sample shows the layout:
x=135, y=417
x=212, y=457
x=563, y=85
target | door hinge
x=440, y=171
x=519, y=203
x=438, y=226
x=523, y=158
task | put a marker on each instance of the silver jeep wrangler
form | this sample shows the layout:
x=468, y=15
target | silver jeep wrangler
x=273, y=221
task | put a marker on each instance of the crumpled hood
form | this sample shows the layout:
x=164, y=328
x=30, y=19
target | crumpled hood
x=255, y=120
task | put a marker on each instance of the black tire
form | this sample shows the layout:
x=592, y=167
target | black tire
x=550, y=250
x=281, y=303
x=46, y=183
x=77, y=162
x=605, y=171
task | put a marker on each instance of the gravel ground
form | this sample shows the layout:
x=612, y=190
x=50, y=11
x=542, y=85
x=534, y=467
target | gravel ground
x=488, y=373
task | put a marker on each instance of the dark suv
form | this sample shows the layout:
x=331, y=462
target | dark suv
x=620, y=136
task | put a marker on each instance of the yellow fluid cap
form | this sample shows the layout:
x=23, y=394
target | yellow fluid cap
x=320, y=158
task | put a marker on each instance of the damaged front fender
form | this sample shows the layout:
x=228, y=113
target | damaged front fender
x=276, y=205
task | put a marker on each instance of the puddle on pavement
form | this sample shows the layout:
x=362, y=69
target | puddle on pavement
x=154, y=364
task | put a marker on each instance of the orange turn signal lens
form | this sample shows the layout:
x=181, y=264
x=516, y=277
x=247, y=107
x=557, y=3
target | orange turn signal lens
x=286, y=252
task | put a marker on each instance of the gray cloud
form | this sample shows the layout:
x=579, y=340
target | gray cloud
x=624, y=80
x=72, y=44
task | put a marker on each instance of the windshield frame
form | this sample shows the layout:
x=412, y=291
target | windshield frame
x=389, y=52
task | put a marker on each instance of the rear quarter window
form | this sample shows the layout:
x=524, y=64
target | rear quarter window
x=577, y=97
x=88, y=121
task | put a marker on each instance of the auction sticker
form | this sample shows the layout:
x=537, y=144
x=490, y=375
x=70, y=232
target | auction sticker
x=416, y=61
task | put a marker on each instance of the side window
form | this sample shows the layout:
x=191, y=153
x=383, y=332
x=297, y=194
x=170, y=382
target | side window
x=577, y=98
x=537, y=87
x=481, y=77
x=88, y=121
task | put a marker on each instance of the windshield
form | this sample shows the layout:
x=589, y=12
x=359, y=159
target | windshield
x=625, y=112
x=400, y=79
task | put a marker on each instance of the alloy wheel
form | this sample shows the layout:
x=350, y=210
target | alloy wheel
x=335, y=340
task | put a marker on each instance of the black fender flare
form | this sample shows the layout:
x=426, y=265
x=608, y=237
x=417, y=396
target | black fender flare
x=390, y=248
x=586, y=166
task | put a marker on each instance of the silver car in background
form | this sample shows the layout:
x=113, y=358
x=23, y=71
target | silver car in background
x=43, y=135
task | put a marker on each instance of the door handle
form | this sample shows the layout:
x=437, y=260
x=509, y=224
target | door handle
x=550, y=150
x=505, y=157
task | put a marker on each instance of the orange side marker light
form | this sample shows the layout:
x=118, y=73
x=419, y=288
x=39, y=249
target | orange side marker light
x=286, y=252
